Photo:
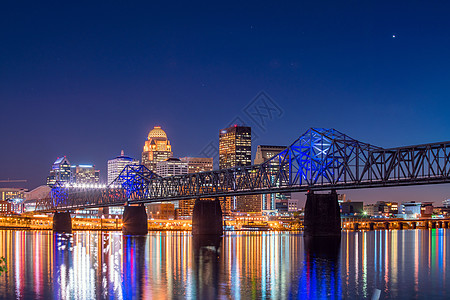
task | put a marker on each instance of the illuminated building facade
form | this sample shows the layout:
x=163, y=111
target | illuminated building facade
x=198, y=164
x=156, y=148
x=163, y=211
x=84, y=174
x=116, y=165
x=235, y=150
x=446, y=203
x=195, y=165
x=12, y=193
x=12, y=199
x=264, y=153
x=60, y=171
x=410, y=210
x=171, y=167
x=235, y=147
x=5, y=207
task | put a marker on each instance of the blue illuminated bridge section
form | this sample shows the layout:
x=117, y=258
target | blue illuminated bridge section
x=320, y=159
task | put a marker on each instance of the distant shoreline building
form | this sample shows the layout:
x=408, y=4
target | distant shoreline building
x=156, y=148
x=117, y=164
x=12, y=200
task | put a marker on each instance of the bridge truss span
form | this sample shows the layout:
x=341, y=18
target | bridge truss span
x=320, y=159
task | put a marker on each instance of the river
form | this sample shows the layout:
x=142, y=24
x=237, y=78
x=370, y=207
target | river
x=401, y=264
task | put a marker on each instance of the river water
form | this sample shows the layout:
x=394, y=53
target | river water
x=401, y=264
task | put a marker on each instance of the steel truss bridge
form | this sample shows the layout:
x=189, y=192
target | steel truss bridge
x=320, y=159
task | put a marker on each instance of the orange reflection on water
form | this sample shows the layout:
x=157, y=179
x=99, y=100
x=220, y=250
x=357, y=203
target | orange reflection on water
x=165, y=265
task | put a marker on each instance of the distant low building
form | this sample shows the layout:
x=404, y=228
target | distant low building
x=293, y=205
x=426, y=209
x=5, y=207
x=163, y=211
x=15, y=197
x=371, y=210
x=410, y=210
x=381, y=208
x=446, y=203
x=352, y=208
x=282, y=206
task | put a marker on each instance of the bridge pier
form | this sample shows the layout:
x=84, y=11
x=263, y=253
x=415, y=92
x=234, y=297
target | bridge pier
x=445, y=225
x=371, y=225
x=401, y=226
x=322, y=215
x=433, y=225
x=207, y=217
x=386, y=225
x=135, y=220
x=414, y=225
x=62, y=223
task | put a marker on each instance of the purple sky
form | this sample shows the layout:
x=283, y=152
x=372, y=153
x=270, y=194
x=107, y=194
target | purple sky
x=87, y=79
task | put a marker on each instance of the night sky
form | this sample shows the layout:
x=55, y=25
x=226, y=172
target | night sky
x=87, y=80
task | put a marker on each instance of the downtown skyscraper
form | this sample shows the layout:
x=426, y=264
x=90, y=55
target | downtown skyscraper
x=235, y=150
x=235, y=147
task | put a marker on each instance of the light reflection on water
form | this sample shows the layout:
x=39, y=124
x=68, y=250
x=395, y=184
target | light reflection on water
x=404, y=264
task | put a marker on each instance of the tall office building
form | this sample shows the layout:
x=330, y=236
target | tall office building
x=195, y=165
x=235, y=149
x=116, y=165
x=60, y=171
x=264, y=153
x=171, y=167
x=84, y=174
x=156, y=148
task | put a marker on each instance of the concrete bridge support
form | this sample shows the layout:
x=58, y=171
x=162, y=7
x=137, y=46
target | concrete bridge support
x=401, y=226
x=413, y=225
x=207, y=217
x=371, y=226
x=135, y=220
x=62, y=223
x=322, y=215
x=386, y=225
x=433, y=225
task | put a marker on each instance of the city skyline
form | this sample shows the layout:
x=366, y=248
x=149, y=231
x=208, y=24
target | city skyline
x=378, y=73
x=386, y=194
